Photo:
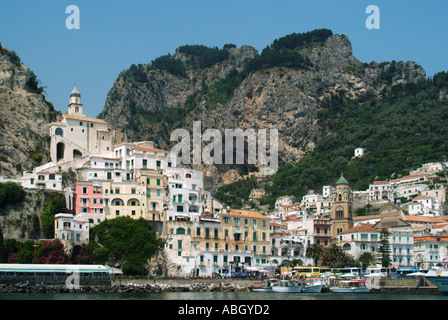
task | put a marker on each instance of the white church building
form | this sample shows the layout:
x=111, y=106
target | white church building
x=74, y=137
x=77, y=136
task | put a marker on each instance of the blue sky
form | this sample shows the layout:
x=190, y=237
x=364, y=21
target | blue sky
x=115, y=34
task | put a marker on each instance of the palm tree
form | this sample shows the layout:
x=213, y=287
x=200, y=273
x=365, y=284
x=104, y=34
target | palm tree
x=315, y=251
x=366, y=259
x=334, y=256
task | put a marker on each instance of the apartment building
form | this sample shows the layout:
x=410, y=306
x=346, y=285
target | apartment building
x=224, y=243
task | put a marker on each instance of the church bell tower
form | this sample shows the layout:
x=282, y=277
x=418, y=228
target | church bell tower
x=75, y=106
x=341, y=207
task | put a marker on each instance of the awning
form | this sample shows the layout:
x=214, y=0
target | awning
x=237, y=232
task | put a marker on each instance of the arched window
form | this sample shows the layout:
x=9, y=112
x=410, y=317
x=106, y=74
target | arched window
x=339, y=212
x=180, y=231
x=347, y=246
x=59, y=132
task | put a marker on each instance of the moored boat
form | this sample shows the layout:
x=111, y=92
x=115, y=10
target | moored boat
x=351, y=286
x=267, y=286
x=313, y=285
x=439, y=278
x=289, y=286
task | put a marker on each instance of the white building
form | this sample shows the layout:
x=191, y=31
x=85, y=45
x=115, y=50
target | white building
x=77, y=136
x=380, y=191
x=431, y=251
x=359, y=239
x=71, y=230
x=359, y=152
x=42, y=180
x=186, y=193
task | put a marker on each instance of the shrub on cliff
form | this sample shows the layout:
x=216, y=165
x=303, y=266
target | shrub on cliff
x=11, y=193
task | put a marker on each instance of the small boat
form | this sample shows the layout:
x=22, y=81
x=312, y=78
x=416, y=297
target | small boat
x=439, y=278
x=313, y=285
x=351, y=286
x=289, y=286
x=268, y=284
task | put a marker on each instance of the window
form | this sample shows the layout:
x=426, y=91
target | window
x=59, y=132
x=339, y=212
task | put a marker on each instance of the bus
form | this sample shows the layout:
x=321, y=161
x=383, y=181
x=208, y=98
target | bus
x=305, y=272
x=309, y=271
x=348, y=272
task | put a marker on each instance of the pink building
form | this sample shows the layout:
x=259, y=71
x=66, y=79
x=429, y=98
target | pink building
x=88, y=201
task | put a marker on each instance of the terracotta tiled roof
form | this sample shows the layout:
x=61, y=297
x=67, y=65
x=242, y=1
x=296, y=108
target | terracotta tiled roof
x=423, y=197
x=70, y=116
x=362, y=227
x=434, y=220
x=431, y=239
x=245, y=213
x=379, y=182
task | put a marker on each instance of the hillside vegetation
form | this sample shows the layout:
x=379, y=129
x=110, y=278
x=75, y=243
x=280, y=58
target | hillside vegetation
x=401, y=131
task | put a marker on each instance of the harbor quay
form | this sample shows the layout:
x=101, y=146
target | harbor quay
x=386, y=286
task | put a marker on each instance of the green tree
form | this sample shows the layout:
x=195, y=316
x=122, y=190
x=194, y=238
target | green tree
x=293, y=263
x=54, y=203
x=334, y=256
x=129, y=242
x=3, y=252
x=366, y=259
x=22, y=252
x=316, y=252
x=385, y=248
x=11, y=193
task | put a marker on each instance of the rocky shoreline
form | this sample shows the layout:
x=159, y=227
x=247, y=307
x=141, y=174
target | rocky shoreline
x=128, y=288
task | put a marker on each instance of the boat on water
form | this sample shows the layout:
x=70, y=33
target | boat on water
x=351, y=286
x=289, y=286
x=313, y=285
x=439, y=278
x=267, y=286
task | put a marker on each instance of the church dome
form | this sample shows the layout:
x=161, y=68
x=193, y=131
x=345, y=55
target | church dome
x=342, y=180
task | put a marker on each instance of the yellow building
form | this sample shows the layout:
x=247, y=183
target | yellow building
x=231, y=241
x=142, y=198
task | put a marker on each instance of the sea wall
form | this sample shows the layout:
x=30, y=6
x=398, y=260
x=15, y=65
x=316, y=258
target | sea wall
x=127, y=288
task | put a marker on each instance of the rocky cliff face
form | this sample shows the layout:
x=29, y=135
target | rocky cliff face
x=287, y=99
x=24, y=118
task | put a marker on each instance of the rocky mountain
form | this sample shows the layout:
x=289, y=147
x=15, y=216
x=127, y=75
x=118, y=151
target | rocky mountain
x=24, y=117
x=284, y=87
